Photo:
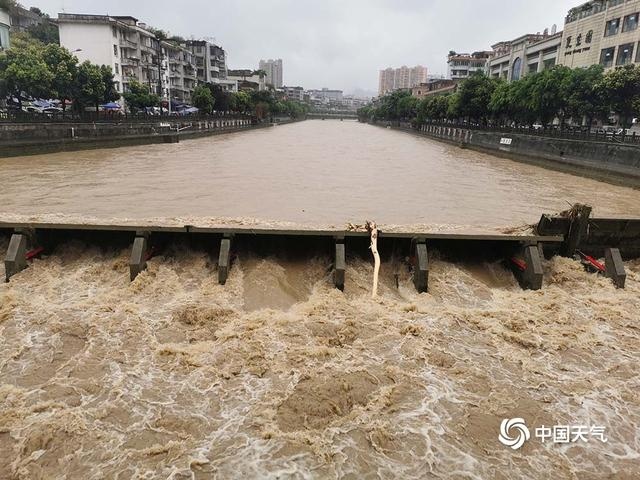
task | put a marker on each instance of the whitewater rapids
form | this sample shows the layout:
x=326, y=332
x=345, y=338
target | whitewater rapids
x=279, y=375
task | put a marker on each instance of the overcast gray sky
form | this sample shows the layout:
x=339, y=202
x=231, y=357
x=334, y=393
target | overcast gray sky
x=336, y=43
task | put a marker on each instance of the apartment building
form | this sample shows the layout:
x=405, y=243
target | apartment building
x=170, y=68
x=463, y=65
x=294, y=93
x=531, y=53
x=274, y=71
x=211, y=62
x=22, y=19
x=182, y=72
x=404, y=77
x=386, y=81
x=602, y=32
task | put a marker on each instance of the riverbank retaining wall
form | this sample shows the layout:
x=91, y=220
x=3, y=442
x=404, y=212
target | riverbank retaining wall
x=36, y=138
x=602, y=160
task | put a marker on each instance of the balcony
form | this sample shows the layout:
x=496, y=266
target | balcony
x=126, y=43
x=130, y=62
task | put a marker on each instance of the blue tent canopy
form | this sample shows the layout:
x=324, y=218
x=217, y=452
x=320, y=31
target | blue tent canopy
x=111, y=106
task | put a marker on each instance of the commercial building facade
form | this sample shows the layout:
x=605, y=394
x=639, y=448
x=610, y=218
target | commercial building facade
x=274, y=71
x=602, y=32
x=404, y=77
x=527, y=54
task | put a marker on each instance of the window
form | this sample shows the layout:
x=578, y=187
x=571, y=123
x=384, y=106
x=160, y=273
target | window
x=117, y=68
x=606, y=57
x=630, y=22
x=625, y=54
x=115, y=50
x=612, y=27
x=568, y=45
x=638, y=53
x=517, y=67
x=589, y=36
x=114, y=30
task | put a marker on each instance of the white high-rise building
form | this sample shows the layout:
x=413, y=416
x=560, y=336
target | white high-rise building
x=273, y=69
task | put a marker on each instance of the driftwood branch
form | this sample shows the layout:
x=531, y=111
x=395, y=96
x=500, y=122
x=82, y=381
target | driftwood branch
x=373, y=231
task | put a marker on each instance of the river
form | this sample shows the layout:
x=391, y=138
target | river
x=279, y=375
x=314, y=173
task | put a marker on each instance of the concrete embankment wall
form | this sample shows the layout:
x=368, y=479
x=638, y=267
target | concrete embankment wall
x=37, y=138
x=602, y=160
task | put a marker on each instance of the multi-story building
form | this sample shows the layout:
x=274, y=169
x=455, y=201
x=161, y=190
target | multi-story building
x=274, y=71
x=405, y=77
x=463, y=65
x=5, y=26
x=602, y=32
x=294, y=93
x=354, y=103
x=182, y=71
x=325, y=96
x=440, y=86
x=170, y=68
x=132, y=52
x=386, y=82
x=22, y=19
x=247, y=80
x=211, y=61
x=527, y=54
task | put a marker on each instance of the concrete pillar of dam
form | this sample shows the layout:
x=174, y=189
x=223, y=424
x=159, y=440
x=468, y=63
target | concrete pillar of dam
x=533, y=273
x=340, y=264
x=614, y=267
x=224, y=259
x=16, y=259
x=138, y=260
x=421, y=267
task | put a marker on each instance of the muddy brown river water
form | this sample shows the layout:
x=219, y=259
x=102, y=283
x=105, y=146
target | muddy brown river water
x=277, y=374
x=312, y=173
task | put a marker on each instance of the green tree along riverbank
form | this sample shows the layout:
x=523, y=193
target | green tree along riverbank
x=580, y=95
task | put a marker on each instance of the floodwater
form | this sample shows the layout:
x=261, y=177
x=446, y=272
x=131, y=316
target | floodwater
x=314, y=173
x=279, y=375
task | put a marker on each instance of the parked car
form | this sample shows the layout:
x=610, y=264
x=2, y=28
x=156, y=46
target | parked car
x=537, y=126
x=51, y=110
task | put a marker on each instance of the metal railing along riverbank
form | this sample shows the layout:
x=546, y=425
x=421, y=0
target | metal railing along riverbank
x=586, y=135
